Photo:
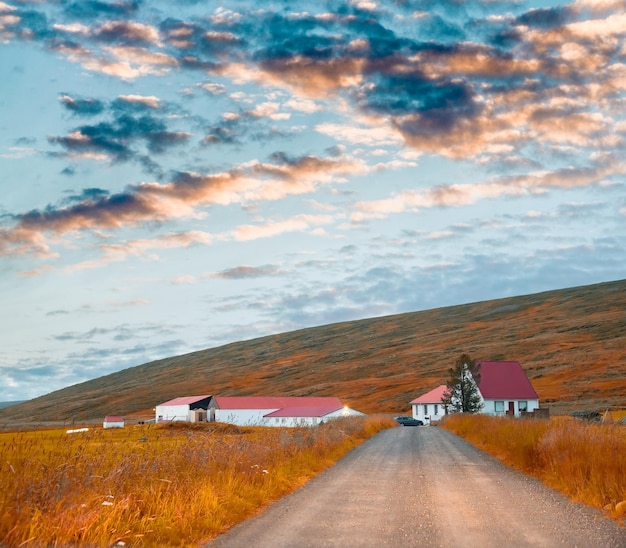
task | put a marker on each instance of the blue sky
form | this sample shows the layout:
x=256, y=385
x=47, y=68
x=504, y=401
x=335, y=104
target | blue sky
x=176, y=176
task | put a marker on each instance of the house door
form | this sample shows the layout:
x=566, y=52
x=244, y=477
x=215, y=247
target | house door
x=511, y=408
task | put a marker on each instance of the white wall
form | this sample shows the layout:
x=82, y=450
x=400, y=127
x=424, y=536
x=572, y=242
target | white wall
x=244, y=417
x=342, y=413
x=172, y=413
x=106, y=424
x=490, y=407
x=255, y=417
x=434, y=411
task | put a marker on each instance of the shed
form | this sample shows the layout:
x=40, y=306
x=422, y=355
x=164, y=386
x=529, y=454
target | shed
x=113, y=421
x=185, y=409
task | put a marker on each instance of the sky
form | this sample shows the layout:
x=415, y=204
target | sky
x=176, y=176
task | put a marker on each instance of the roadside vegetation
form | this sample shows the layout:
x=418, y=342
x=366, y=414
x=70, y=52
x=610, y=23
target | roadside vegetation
x=157, y=485
x=584, y=461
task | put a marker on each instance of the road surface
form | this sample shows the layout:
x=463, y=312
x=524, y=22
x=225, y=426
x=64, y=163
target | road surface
x=423, y=486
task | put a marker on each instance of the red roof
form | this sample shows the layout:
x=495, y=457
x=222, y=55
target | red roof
x=185, y=400
x=114, y=418
x=309, y=411
x=505, y=380
x=278, y=403
x=434, y=396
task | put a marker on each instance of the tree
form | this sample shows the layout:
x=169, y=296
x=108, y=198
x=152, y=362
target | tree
x=462, y=394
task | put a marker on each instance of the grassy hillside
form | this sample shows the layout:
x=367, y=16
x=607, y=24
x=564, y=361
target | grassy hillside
x=571, y=342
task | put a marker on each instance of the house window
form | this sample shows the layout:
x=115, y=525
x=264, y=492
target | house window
x=425, y=409
x=498, y=406
x=436, y=409
x=522, y=406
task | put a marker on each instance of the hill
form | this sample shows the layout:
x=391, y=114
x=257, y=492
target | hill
x=571, y=342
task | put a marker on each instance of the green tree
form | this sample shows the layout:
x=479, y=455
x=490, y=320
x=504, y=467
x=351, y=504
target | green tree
x=462, y=395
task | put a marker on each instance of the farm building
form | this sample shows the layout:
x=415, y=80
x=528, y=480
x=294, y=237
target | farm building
x=504, y=389
x=428, y=408
x=185, y=409
x=113, y=421
x=277, y=411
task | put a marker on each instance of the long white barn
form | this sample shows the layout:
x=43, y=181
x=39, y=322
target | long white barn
x=254, y=410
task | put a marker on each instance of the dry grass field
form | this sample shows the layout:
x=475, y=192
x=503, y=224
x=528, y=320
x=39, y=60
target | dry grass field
x=157, y=485
x=571, y=342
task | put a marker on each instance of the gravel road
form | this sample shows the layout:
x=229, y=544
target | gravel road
x=423, y=486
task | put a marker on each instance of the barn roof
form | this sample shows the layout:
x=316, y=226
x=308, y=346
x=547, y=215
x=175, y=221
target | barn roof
x=185, y=400
x=434, y=396
x=506, y=380
x=278, y=402
x=113, y=418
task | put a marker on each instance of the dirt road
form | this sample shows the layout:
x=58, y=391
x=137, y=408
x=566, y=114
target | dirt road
x=422, y=486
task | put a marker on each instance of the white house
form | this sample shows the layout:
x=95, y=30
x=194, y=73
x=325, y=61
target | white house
x=428, y=407
x=186, y=409
x=113, y=421
x=277, y=411
x=504, y=389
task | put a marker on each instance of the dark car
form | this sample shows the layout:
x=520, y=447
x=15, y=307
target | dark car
x=409, y=421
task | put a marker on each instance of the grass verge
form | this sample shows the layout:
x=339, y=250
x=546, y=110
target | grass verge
x=157, y=485
x=586, y=462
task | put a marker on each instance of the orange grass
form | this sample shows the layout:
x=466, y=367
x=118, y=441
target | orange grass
x=586, y=462
x=156, y=485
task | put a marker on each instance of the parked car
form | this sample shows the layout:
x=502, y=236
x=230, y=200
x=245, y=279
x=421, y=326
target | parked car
x=409, y=421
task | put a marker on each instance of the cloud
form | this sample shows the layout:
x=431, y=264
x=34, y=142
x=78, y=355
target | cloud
x=299, y=223
x=142, y=248
x=245, y=272
x=149, y=101
x=458, y=85
x=122, y=61
x=359, y=135
x=160, y=202
x=457, y=195
x=82, y=107
x=127, y=32
x=114, y=140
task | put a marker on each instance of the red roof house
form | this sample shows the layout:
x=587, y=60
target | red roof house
x=503, y=387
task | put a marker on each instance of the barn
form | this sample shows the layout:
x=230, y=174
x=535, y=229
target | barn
x=113, y=421
x=504, y=389
x=277, y=411
x=185, y=409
